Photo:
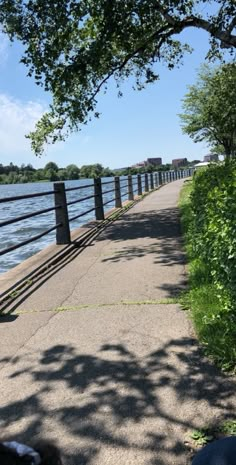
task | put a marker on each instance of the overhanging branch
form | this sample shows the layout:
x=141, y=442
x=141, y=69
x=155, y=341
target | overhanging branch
x=226, y=38
x=163, y=36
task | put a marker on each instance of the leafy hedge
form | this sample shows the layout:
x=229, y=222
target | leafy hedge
x=211, y=238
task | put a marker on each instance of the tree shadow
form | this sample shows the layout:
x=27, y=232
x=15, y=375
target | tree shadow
x=161, y=225
x=102, y=402
x=175, y=290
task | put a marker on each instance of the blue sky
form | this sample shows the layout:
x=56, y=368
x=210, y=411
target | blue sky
x=130, y=129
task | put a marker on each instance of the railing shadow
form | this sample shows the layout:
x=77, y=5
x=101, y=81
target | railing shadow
x=94, y=401
x=12, y=298
x=162, y=226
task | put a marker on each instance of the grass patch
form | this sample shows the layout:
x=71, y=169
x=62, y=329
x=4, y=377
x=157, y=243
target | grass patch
x=168, y=301
x=210, y=433
x=212, y=322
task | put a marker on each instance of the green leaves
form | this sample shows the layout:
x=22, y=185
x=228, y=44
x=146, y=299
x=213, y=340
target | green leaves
x=210, y=108
x=201, y=437
x=73, y=47
x=212, y=242
x=209, y=433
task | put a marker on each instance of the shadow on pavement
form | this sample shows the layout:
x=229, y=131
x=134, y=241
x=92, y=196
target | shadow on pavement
x=96, y=400
x=163, y=226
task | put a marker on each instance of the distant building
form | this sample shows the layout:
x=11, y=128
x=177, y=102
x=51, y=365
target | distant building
x=154, y=161
x=141, y=164
x=149, y=161
x=177, y=162
x=211, y=157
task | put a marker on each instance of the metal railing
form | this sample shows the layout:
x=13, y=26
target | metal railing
x=129, y=187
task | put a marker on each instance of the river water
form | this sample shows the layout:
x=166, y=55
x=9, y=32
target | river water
x=23, y=230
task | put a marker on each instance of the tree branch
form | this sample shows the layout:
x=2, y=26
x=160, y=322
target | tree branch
x=133, y=54
x=227, y=39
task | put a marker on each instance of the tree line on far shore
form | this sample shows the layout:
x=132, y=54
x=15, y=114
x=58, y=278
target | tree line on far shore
x=13, y=174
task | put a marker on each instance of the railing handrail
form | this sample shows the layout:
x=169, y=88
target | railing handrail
x=34, y=238
x=86, y=186
x=28, y=215
x=26, y=196
x=134, y=184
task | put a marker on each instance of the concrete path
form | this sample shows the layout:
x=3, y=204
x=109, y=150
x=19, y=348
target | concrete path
x=101, y=361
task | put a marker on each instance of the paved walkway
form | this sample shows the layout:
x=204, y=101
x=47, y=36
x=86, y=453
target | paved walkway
x=115, y=376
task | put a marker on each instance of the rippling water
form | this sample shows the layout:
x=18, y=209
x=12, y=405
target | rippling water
x=20, y=231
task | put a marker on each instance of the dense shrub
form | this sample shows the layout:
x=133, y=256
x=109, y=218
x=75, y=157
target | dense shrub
x=211, y=238
x=213, y=203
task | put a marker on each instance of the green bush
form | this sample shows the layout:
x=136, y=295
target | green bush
x=213, y=202
x=209, y=221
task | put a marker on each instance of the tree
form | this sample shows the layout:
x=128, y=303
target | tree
x=107, y=172
x=91, y=171
x=210, y=108
x=62, y=174
x=51, y=175
x=85, y=171
x=73, y=47
x=72, y=171
x=51, y=166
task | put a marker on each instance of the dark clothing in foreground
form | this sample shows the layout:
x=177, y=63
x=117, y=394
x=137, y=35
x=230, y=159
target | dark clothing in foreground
x=221, y=452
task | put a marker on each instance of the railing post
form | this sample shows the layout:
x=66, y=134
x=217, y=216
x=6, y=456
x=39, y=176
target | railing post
x=151, y=181
x=99, y=212
x=140, y=191
x=156, y=180
x=118, y=203
x=159, y=178
x=130, y=188
x=146, y=188
x=61, y=214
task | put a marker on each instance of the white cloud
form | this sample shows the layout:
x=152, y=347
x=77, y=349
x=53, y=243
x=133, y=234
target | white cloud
x=17, y=119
